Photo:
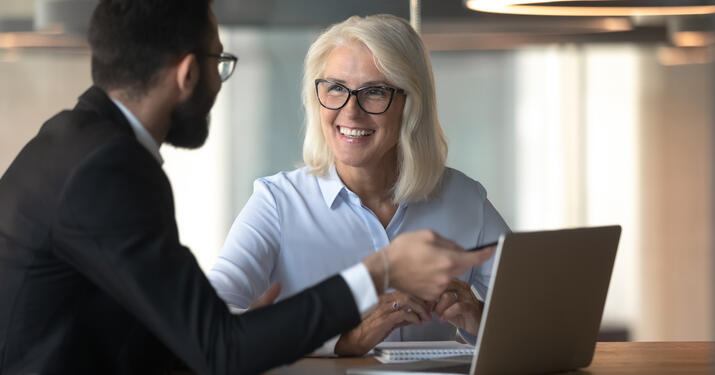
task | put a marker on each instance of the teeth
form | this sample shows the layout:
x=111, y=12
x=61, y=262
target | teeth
x=354, y=133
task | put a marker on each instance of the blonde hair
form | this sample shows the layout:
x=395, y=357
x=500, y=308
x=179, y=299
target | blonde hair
x=400, y=55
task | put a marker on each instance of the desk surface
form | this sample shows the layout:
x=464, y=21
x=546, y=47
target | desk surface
x=681, y=358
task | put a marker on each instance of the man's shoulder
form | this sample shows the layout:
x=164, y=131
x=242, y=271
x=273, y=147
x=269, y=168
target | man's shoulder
x=65, y=142
x=83, y=126
x=77, y=136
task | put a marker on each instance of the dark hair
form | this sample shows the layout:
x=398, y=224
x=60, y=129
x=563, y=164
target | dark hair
x=132, y=40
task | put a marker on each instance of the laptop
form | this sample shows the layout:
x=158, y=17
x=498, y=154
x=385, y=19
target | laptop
x=543, y=309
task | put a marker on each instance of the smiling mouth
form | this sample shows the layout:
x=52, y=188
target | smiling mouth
x=355, y=133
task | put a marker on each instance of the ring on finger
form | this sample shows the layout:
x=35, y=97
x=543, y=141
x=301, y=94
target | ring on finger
x=395, y=306
x=455, y=295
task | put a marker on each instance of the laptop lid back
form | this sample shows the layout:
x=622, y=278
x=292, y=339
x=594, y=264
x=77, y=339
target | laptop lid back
x=545, y=300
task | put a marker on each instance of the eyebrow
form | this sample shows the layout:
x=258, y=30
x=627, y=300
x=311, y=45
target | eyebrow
x=364, y=84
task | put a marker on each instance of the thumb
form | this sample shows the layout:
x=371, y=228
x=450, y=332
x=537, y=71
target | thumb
x=470, y=259
x=267, y=297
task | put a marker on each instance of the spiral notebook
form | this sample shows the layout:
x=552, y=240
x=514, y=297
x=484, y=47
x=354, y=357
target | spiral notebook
x=407, y=351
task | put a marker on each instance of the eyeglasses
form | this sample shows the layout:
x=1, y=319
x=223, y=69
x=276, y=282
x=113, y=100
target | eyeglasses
x=374, y=100
x=226, y=64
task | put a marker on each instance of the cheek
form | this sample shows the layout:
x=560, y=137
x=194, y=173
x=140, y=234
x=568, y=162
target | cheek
x=327, y=118
x=210, y=77
x=394, y=123
x=394, y=118
x=326, y=126
x=216, y=85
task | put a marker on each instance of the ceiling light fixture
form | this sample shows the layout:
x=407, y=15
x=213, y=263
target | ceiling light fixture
x=692, y=31
x=594, y=7
x=692, y=38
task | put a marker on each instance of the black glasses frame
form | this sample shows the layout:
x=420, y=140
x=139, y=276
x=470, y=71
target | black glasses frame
x=225, y=57
x=357, y=98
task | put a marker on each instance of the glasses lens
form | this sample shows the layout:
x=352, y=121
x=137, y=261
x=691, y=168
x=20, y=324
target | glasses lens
x=375, y=99
x=225, y=68
x=332, y=95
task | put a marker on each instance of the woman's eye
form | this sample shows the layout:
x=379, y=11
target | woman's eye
x=336, y=88
x=377, y=92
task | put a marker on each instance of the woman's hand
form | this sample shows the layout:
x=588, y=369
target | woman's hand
x=459, y=306
x=393, y=310
x=267, y=298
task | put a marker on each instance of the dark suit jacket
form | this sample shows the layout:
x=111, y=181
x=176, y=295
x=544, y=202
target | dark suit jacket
x=93, y=278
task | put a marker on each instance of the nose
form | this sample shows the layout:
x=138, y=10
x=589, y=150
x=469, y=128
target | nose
x=352, y=107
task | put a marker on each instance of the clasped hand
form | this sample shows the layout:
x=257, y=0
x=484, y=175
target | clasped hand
x=456, y=305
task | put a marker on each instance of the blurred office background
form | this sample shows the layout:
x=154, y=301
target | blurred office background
x=567, y=121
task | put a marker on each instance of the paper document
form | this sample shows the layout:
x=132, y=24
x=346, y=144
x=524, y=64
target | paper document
x=407, y=351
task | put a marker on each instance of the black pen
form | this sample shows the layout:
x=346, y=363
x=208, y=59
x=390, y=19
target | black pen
x=482, y=247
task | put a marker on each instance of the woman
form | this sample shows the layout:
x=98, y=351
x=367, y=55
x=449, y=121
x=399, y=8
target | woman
x=375, y=167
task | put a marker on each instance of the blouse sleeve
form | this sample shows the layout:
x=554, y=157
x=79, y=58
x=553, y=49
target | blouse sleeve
x=244, y=266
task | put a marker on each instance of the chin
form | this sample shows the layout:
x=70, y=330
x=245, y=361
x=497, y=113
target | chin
x=353, y=161
x=188, y=132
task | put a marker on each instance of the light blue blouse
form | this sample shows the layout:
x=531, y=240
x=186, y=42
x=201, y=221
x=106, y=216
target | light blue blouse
x=298, y=229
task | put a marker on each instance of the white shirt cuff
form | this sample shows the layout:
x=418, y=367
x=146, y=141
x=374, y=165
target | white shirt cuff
x=358, y=279
x=235, y=310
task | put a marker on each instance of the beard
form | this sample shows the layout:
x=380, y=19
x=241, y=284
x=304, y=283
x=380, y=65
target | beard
x=190, y=120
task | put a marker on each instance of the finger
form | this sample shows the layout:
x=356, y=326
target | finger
x=447, y=243
x=390, y=322
x=453, y=312
x=456, y=284
x=386, y=308
x=267, y=298
x=468, y=259
x=388, y=299
x=447, y=299
x=409, y=303
x=436, y=240
x=410, y=317
x=431, y=307
x=402, y=324
x=395, y=320
x=463, y=289
x=420, y=307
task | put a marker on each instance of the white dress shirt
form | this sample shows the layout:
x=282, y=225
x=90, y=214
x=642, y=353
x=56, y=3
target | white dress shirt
x=298, y=229
x=143, y=136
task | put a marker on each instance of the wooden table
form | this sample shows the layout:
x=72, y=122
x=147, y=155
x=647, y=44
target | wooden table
x=681, y=358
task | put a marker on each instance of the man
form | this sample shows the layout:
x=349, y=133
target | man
x=93, y=278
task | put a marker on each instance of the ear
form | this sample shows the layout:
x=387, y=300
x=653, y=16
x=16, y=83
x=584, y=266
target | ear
x=187, y=76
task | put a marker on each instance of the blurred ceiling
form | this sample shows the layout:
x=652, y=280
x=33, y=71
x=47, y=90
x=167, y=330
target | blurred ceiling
x=446, y=24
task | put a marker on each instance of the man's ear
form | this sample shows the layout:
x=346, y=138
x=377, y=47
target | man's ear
x=187, y=76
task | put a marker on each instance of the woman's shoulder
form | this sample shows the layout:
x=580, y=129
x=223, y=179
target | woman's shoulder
x=457, y=184
x=298, y=181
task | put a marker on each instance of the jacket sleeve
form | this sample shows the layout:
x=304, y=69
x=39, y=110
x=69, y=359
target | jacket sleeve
x=116, y=226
